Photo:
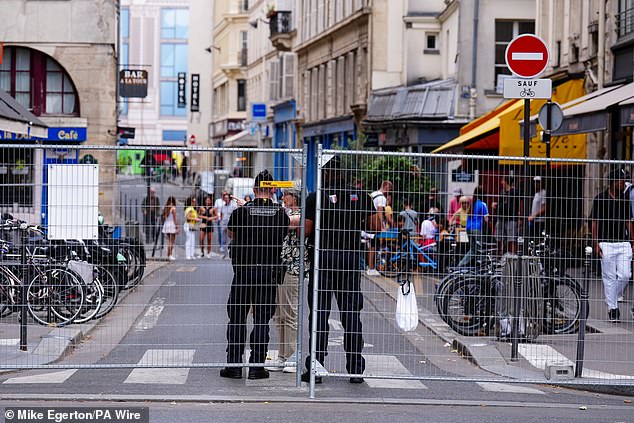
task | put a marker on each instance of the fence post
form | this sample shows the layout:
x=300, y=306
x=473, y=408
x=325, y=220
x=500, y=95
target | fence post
x=24, y=236
x=302, y=270
x=584, y=313
x=313, y=328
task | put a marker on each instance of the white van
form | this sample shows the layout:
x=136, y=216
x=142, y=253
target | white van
x=240, y=187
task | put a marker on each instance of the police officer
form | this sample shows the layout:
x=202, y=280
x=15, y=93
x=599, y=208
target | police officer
x=257, y=229
x=345, y=212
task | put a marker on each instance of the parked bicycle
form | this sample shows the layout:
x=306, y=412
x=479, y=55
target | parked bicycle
x=472, y=300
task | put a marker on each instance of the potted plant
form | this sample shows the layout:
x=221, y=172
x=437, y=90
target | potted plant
x=270, y=11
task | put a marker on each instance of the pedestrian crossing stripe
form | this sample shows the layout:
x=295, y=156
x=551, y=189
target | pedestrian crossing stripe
x=377, y=364
x=43, y=378
x=509, y=388
x=167, y=376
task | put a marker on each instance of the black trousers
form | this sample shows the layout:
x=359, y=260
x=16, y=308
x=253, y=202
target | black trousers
x=340, y=278
x=252, y=287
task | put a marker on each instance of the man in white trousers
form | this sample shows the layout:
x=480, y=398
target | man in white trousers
x=613, y=237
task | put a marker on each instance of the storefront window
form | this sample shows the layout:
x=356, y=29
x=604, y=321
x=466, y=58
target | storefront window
x=16, y=179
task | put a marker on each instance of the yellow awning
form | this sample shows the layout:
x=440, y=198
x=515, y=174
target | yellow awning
x=488, y=128
x=567, y=146
x=500, y=129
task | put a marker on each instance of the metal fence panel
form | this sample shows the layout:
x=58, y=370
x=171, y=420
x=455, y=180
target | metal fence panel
x=496, y=250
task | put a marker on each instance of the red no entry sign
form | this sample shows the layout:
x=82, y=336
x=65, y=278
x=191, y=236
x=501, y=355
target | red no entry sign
x=527, y=56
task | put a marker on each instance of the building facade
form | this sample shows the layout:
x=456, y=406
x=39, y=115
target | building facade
x=59, y=61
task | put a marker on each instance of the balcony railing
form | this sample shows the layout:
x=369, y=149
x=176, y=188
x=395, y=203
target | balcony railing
x=625, y=22
x=280, y=23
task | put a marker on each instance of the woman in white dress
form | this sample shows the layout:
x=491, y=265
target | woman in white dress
x=170, y=226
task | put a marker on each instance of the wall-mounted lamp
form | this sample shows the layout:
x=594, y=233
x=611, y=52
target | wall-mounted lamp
x=210, y=48
x=254, y=23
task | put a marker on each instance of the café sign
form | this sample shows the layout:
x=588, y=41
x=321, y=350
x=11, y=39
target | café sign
x=64, y=134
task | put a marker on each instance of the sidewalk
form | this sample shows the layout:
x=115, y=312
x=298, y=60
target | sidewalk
x=47, y=345
x=609, y=347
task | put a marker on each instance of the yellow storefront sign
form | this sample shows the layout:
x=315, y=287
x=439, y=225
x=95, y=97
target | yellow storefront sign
x=277, y=184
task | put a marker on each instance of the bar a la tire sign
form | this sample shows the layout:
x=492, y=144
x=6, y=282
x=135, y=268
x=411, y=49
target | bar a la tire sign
x=527, y=57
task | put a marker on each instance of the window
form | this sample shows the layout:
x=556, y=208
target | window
x=16, y=177
x=505, y=31
x=175, y=24
x=174, y=59
x=625, y=18
x=242, y=95
x=243, y=6
x=173, y=135
x=38, y=82
x=430, y=43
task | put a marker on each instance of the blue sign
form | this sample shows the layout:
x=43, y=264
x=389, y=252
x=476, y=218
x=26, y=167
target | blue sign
x=64, y=134
x=258, y=111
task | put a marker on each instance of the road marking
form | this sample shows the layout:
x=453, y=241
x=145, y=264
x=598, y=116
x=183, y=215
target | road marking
x=10, y=342
x=338, y=340
x=171, y=283
x=539, y=355
x=377, y=364
x=509, y=388
x=187, y=269
x=151, y=316
x=527, y=56
x=54, y=377
x=167, y=376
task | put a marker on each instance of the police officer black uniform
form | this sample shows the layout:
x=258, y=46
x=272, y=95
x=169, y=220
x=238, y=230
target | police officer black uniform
x=258, y=229
x=345, y=212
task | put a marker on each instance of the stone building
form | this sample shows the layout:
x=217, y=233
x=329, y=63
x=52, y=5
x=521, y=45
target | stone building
x=59, y=61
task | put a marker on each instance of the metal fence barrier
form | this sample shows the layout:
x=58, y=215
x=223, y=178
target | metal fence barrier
x=506, y=289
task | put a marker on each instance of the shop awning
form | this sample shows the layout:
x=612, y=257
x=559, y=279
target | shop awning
x=241, y=139
x=594, y=114
x=627, y=112
x=499, y=130
x=569, y=146
x=16, y=119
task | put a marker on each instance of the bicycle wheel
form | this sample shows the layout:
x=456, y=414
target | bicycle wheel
x=8, y=291
x=440, y=296
x=386, y=262
x=55, y=297
x=469, y=306
x=110, y=288
x=562, y=304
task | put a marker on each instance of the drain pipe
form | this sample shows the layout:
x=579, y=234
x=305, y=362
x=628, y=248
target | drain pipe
x=474, y=61
x=601, y=46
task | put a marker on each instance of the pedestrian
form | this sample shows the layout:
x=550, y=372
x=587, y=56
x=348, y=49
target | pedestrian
x=454, y=204
x=345, y=212
x=432, y=201
x=217, y=210
x=191, y=221
x=151, y=210
x=226, y=209
x=170, y=226
x=409, y=217
x=506, y=211
x=257, y=230
x=476, y=220
x=207, y=215
x=379, y=199
x=185, y=167
x=285, y=316
x=613, y=239
x=459, y=218
x=536, y=220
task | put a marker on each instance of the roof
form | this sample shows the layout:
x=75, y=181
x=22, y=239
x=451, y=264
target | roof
x=429, y=101
x=17, y=119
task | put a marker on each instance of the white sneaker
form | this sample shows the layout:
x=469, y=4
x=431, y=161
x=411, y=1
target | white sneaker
x=171, y=258
x=372, y=272
x=620, y=299
x=188, y=258
x=289, y=369
x=278, y=361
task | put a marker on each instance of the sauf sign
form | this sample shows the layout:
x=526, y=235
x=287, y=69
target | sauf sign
x=133, y=83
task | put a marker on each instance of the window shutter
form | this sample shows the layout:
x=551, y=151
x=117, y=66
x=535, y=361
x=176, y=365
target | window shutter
x=288, y=75
x=274, y=80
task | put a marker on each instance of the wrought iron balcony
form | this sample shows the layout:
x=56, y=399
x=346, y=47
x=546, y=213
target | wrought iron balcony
x=281, y=30
x=625, y=22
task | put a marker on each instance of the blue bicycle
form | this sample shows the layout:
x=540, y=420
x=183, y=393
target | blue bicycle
x=399, y=253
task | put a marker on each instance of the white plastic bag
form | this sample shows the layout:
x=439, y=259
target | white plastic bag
x=406, y=308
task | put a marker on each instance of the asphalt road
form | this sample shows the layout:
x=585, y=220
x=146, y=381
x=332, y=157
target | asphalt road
x=182, y=322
